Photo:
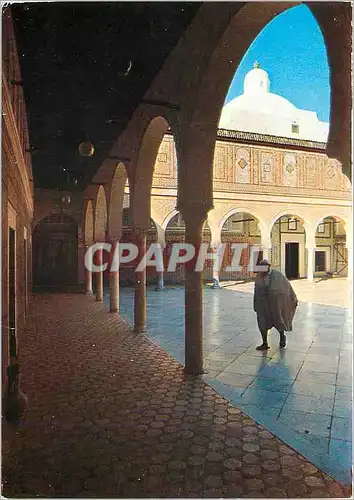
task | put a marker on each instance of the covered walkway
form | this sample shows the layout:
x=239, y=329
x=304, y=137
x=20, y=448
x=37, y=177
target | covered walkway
x=112, y=415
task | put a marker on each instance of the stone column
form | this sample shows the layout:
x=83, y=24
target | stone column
x=88, y=277
x=216, y=266
x=266, y=253
x=88, y=282
x=81, y=249
x=310, y=263
x=99, y=276
x=114, y=284
x=160, y=274
x=140, y=284
x=160, y=282
x=350, y=263
x=194, y=220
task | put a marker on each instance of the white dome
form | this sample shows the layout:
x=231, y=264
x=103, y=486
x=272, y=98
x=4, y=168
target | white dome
x=268, y=103
x=256, y=81
x=259, y=110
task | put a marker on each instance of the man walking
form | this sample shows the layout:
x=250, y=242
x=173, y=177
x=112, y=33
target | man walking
x=274, y=302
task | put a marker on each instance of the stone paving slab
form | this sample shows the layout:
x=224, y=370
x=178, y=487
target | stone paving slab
x=296, y=392
x=113, y=415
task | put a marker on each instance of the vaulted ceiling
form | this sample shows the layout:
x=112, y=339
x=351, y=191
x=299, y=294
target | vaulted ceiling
x=85, y=67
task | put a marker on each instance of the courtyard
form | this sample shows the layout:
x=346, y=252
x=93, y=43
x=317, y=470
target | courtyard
x=303, y=394
x=111, y=414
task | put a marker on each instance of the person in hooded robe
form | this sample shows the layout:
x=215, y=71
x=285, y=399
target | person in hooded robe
x=274, y=302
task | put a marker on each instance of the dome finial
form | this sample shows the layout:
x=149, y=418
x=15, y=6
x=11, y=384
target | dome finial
x=256, y=65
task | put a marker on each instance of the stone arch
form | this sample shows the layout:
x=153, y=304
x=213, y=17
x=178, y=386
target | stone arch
x=40, y=214
x=304, y=221
x=141, y=195
x=290, y=239
x=168, y=218
x=238, y=32
x=331, y=244
x=263, y=226
x=100, y=223
x=331, y=213
x=88, y=227
x=239, y=230
x=116, y=202
x=55, y=250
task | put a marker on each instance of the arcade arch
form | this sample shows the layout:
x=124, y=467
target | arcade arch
x=331, y=256
x=100, y=220
x=88, y=228
x=55, y=251
x=116, y=202
x=288, y=239
x=199, y=102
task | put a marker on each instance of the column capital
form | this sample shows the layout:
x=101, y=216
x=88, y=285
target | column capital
x=140, y=230
x=195, y=210
x=215, y=245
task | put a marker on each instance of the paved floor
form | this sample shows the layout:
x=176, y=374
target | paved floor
x=112, y=415
x=303, y=393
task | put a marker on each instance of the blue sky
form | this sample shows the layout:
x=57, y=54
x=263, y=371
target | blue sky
x=291, y=49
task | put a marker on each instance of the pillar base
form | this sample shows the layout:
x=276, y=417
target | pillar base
x=160, y=289
x=88, y=292
x=193, y=371
x=141, y=329
x=114, y=311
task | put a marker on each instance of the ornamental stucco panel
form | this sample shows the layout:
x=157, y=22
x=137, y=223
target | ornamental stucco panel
x=220, y=159
x=267, y=168
x=311, y=171
x=246, y=169
x=332, y=175
x=231, y=173
x=290, y=170
x=161, y=207
x=301, y=170
x=165, y=157
x=278, y=168
x=255, y=159
x=243, y=166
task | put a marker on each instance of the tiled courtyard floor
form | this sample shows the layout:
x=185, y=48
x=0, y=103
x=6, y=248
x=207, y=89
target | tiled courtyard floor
x=303, y=393
x=112, y=415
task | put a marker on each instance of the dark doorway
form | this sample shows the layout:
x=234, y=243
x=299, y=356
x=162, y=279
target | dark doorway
x=12, y=293
x=320, y=261
x=55, y=252
x=25, y=251
x=292, y=260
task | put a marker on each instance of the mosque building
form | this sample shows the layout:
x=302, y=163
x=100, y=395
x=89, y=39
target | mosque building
x=168, y=164
x=269, y=158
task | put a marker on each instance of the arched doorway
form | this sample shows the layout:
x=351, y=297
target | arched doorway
x=119, y=199
x=127, y=270
x=288, y=237
x=331, y=254
x=55, y=243
x=240, y=228
x=175, y=233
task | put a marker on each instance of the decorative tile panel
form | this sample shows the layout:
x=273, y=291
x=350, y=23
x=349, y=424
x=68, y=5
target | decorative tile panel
x=311, y=172
x=162, y=157
x=267, y=168
x=220, y=162
x=332, y=175
x=243, y=166
x=289, y=170
x=255, y=161
x=165, y=159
